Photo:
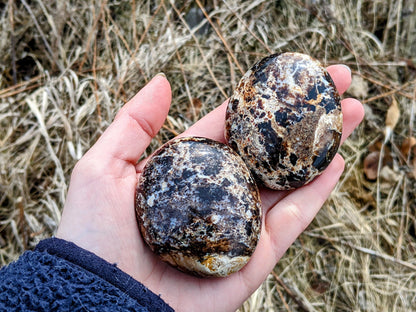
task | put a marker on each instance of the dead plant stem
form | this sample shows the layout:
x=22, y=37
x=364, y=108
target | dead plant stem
x=226, y=45
x=43, y=36
x=302, y=306
x=248, y=29
x=12, y=41
x=200, y=49
x=363, y=249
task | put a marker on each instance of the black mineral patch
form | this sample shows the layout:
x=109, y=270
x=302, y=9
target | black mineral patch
x=260, y=77
x=293, y=159
x=272, y=143
x=234, y=104
x=281, y=118
x=329, y=104
x=265, y=96
x=262, y=65
x=211, y=193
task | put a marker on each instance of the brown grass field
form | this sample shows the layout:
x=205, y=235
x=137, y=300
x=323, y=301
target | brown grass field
x=66, y=67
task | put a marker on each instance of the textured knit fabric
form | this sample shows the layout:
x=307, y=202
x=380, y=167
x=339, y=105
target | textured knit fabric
x=59, y=276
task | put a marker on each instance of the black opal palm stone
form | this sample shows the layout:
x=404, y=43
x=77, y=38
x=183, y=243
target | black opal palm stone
x=198, y=207
x=284, y=119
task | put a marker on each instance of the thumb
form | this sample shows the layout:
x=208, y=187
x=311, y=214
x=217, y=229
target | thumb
x=136, y=123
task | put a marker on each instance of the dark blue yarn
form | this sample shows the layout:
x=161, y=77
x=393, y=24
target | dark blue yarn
x=60, y=276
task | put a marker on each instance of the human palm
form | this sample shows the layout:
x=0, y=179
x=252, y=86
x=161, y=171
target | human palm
x=99, y=212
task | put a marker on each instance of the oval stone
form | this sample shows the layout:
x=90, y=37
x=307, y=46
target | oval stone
x=198, y=207
x=284, y=119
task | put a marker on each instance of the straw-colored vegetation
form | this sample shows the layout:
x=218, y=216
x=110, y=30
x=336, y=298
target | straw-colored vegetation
x=68, y=66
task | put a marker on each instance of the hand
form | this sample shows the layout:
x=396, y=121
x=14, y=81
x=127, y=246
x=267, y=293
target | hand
x=99, y=212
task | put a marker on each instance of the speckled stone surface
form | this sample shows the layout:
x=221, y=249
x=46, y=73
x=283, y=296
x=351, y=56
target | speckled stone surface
x=284, y=119
x=198, y=207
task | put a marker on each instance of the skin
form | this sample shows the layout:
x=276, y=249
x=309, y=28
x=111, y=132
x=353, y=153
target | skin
x=99, y=212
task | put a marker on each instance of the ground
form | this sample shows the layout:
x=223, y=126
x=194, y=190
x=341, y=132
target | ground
x=66, y=67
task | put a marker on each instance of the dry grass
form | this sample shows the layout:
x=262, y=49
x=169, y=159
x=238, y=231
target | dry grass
x=67, y=66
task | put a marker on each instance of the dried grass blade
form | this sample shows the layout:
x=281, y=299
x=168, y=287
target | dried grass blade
x=43, y=36
x=364, y=250
x=220, y=36
x=42, y=128
x=199, y=48
x=303, y=304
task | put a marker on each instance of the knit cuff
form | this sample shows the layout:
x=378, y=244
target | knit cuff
x=109, y=272
x=60, y=276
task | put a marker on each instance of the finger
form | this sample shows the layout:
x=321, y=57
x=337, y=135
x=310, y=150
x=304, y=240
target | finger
x=341, y=75
x=353, y=114
x=212, y=125
x=299, y=207
x=136, y=123
x=284, y=223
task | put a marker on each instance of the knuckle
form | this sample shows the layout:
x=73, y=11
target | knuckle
x=297, y=216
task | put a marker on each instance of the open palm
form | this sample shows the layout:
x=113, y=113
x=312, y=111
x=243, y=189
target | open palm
x=99, y=212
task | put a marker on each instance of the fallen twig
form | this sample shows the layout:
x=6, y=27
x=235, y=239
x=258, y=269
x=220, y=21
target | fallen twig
x=364, y=250
x=297, y=297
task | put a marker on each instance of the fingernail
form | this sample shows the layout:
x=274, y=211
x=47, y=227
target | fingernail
x=161, y=74
x=347, y=67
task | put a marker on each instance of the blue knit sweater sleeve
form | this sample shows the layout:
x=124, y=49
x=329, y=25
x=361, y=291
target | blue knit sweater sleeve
x=60, y=276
